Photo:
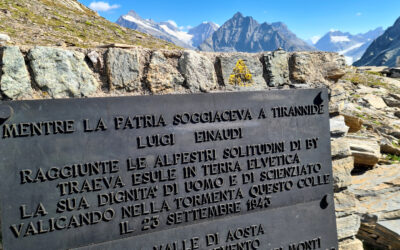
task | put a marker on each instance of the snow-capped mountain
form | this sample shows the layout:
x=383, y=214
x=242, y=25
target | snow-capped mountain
x=237, y=34
x=202, y=32
x=351, y=46
x=168, y=30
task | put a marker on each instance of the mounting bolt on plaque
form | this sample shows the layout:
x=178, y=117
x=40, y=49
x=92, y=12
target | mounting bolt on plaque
x=5, y=113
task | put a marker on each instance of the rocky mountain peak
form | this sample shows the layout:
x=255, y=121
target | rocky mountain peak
x=238, y=18
x=279, y=25
x=132, y=13
x=238, y=15
x=244, y=34
x=372, y=34
x=202, y=32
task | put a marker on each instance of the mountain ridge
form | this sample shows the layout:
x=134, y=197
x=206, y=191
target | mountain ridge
x=162, y=30
x=245, y=34
x=384, y=50
x=168, y=30
x=347, y=44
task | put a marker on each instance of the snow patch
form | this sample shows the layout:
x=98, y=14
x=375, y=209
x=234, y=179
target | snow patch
x=173, y=23
x=315, y=39
x=355, y=46
x=139, y=22
x=211, y=23
x=338, y=39
x=181, y=35
x=349, y=60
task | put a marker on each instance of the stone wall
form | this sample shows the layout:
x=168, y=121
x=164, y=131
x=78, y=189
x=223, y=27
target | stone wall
x=45, y=73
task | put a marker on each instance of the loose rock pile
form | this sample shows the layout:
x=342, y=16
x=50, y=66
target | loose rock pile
x=367, y=175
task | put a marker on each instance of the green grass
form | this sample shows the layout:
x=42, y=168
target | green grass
x=367, y=117
x=362, y=116
x=394, y=158
x=374, y=73
x=376, y=122
x=369, y=80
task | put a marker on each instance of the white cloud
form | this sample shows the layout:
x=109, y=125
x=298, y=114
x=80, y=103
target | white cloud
x=358, y=14
x=333, y=30
x=185, y=27
x=103, y=6
x=173, y=23
x=205, y=22
x=315, y=39
x=339, y=39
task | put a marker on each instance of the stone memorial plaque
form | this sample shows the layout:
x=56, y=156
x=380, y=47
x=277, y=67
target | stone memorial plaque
x=224, y=171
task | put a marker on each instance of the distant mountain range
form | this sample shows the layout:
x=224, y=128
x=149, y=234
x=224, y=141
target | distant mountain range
x=168, y=30
x=351, y=46
x=384, y=50
x=244, y=34
x=239, y=33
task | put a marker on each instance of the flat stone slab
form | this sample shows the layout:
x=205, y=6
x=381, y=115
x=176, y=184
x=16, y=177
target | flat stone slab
x=392, y=225
x=366, y=150
x=226, y=170
x=378, y=192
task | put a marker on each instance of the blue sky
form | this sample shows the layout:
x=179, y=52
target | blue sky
x=306, y=18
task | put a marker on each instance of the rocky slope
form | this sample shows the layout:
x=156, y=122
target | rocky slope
x=366, y=154
x=384, y=50
x=244, y=34
x=351, y=46
x=65, y=23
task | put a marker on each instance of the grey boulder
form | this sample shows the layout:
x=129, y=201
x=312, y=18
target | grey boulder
x=15, y=80
x=198, y=71
x=123, y=69
x=62, y=73
x=277, y=68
